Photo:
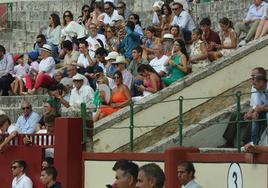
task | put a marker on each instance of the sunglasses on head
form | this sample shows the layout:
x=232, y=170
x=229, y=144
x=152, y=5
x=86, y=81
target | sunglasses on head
x=27, y=107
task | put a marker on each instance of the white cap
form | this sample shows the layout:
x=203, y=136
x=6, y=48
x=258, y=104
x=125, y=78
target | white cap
x=78, y=77
x=47, y=47
x=111, y=55
x=66, y=81
x=120, y=59
x=168, y=36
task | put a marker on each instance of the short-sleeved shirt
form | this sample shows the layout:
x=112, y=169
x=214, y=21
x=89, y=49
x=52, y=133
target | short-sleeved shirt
x=69, y=58
x=22, y=182
x=256, y=12
x=159, y=64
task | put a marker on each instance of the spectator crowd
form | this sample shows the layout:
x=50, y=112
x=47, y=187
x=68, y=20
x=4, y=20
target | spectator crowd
x=106, y=58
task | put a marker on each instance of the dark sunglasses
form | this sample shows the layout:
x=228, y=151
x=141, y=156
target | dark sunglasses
x=67, y=15
x=27, y=107
x=14, y=167
x=116, y=77
x=175, y=9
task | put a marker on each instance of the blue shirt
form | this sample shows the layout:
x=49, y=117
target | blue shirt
x=28, y=125
x=256, y=12
x=132, y=40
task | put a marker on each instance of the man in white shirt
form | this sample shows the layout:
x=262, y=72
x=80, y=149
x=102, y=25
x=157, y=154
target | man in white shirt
x=249, y=25
x=20, y=179
x=84, y=61
x=111, y=15
x=184, y=20
x=158, y=63
x=186, y=176
x=95, y=41
x=81, y=93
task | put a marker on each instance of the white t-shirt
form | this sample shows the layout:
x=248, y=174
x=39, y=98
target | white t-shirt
x=109, y=20
x=73, y=29
x=22, y=182
x=47, y=65
x=158, y=64
x=84, y=95
x=20, y=71
x=82, y=60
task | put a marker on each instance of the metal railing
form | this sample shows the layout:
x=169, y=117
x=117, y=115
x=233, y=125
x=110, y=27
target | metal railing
x=181, y=101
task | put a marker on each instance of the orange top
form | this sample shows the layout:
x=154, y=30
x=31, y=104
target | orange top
x=117, y=97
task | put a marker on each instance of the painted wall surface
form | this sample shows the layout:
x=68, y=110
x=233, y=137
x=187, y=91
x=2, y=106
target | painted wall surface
x=209, y=175
x=160, y=113
x=100, y=173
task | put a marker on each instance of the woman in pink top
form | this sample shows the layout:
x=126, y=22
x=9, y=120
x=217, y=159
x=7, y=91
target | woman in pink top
x=151, y=81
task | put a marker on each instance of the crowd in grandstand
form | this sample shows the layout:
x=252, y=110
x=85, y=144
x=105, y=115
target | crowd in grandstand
x=106, y=59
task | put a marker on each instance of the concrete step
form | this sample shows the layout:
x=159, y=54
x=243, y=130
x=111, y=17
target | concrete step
x=205, y=134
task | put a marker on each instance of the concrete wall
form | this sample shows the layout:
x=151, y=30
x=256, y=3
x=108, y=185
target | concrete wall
x=209, y=82
x=99, y=173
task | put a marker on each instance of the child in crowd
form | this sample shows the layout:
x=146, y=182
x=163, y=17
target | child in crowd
x=20, y=70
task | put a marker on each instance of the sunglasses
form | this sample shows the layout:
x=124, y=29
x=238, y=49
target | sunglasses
x=116, y=77
x=27, y=107
x=67, y=15
x=14, y=167
x=175, y=9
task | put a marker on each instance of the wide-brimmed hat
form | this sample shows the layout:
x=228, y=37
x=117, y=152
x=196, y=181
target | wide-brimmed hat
x=120, y=59
x=47, y=48
x=78, y=77
x=111, y=55
x=17, y=56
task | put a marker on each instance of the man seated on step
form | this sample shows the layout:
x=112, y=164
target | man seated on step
x=250, y=24
x=28, y=120
x=257, y=111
